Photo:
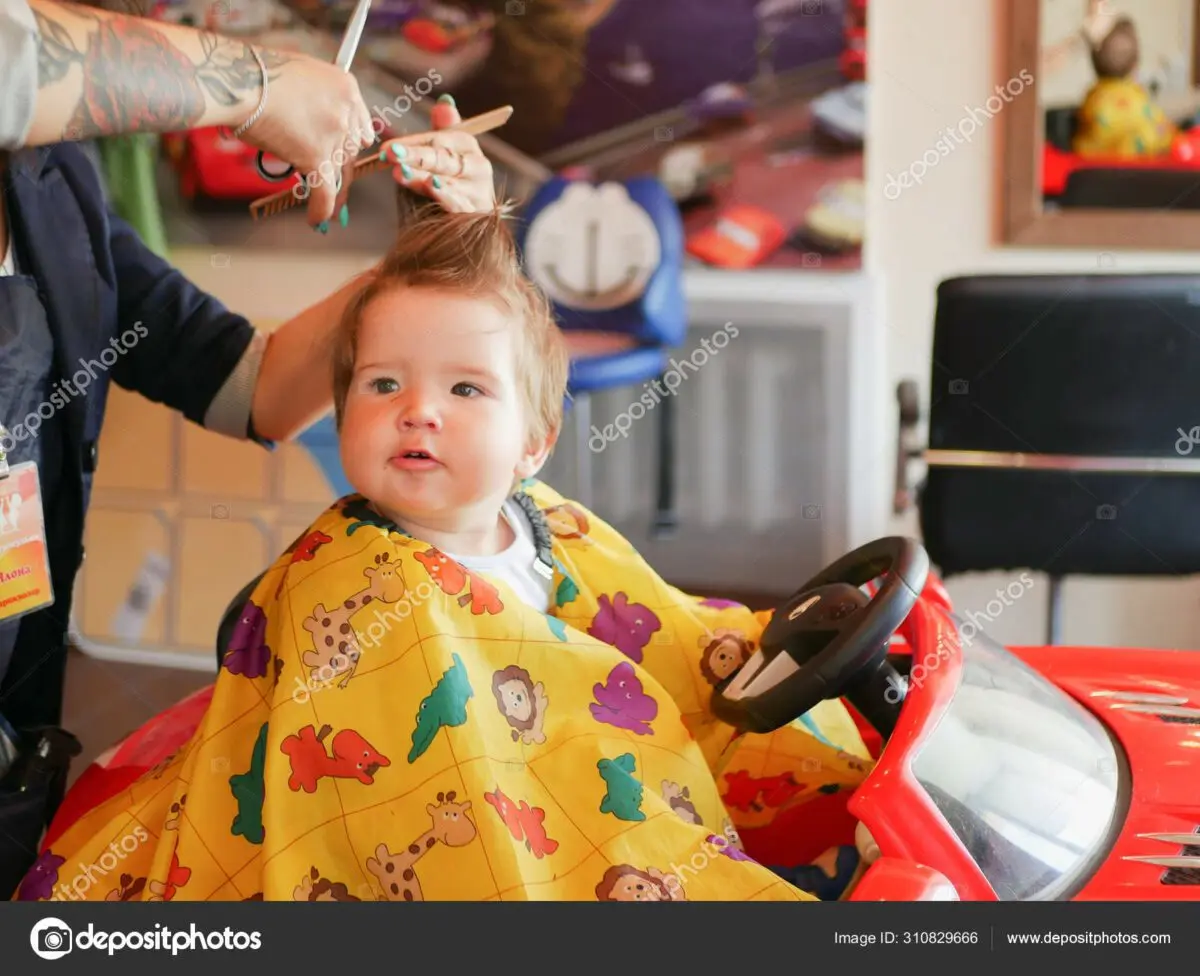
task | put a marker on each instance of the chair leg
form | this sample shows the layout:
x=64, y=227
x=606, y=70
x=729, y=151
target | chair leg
x=1054, y=612
x=666, y=519
x=582, y=407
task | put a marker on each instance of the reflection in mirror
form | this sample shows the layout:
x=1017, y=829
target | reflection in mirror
x=1118, y=97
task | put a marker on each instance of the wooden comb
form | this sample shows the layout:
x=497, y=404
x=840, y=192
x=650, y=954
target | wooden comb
x=476, y=125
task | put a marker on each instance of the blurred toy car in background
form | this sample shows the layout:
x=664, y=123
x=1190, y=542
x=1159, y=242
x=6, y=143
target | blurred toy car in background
x=741, y=237
x=212, y=166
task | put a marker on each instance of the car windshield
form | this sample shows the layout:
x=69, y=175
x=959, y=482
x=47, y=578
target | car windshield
x=1028, y=779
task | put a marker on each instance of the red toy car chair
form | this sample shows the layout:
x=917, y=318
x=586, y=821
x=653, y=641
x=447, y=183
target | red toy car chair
x=1141, y=183
x=1062, y=428
x=610, y=258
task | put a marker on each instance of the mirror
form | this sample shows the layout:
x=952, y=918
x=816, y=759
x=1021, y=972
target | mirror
x=1100, y=146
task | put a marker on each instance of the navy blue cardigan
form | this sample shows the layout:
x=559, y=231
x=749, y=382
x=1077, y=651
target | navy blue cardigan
x=96, y=279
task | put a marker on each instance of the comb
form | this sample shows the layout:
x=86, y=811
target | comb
x=476, y=125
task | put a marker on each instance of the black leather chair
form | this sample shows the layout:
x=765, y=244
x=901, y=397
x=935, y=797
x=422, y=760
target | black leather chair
x=1061, y=125
x=1064, y=428
x=230, y=618
x=1132, y=189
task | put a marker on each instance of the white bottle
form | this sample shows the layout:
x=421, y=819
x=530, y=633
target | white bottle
x=130, y=619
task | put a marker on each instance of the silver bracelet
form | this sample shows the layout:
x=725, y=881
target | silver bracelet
x=262, y=102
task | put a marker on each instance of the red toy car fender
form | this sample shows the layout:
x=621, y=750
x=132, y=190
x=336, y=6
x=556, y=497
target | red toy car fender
x=137, y=754
x=926, y=838
x=893, y=879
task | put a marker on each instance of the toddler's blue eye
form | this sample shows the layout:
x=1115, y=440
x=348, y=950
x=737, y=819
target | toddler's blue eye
x=459, y=387
x=384, y=385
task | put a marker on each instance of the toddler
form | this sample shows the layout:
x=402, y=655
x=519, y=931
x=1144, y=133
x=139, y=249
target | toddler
x=449, y=381
x=530, y=718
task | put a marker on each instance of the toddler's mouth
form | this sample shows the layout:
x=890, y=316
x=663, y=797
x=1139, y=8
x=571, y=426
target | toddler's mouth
x=415, y=459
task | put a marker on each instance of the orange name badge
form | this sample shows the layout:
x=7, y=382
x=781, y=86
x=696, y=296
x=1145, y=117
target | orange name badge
x=24, y=565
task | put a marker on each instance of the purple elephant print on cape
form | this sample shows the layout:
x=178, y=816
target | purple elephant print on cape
x=248, y=653
x=626, y=626
x=622, y=703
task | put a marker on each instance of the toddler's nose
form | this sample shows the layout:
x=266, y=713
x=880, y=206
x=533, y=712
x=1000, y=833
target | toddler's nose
x=419, y=415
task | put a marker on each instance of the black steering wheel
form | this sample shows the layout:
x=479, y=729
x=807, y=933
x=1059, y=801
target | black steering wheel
x=830, y=640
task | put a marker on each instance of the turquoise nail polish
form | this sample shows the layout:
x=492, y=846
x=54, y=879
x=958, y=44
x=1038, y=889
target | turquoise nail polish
x=406, y=170
x=437, y=182
x=344, y=215
x=399, y=151
x=383, y=156
x=322, y=227
x=446, y=99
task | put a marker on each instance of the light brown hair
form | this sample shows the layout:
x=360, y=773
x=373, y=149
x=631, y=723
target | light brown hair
x=1117, y=55
x=472, y=254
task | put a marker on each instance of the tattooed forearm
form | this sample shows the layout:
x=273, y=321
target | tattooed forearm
x=56, y=50
x=133, y=77
x=229, y=70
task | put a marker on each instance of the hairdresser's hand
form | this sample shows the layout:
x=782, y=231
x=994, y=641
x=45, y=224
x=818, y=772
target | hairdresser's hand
x=448, y=167
x=316, y=120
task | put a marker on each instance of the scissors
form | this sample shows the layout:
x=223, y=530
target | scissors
x=275, y=170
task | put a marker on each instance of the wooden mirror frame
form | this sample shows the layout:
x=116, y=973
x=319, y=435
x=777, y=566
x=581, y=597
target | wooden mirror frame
x=1022, y=221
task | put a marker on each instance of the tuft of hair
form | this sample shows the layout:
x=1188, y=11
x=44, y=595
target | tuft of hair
x=472, y=254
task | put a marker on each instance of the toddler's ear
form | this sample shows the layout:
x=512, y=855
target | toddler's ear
x=536, y=453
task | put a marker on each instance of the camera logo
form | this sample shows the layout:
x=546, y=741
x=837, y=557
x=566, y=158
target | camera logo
x=51, y=939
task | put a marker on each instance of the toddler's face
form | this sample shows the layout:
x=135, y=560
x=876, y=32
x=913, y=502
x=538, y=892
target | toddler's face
x=435, y=425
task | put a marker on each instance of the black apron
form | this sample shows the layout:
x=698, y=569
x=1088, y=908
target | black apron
x=33, y=788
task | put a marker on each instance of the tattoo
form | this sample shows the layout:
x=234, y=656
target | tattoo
x=229, y=68
x=56, y=50
x=135, y=80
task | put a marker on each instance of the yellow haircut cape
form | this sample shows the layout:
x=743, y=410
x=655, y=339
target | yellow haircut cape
x=389, y=726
